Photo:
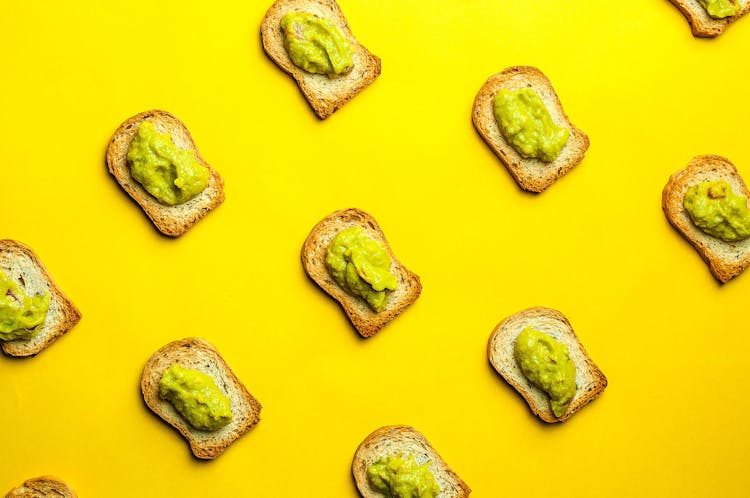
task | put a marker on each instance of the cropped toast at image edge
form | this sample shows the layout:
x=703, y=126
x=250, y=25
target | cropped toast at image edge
x=702, y=24
x=44, y=486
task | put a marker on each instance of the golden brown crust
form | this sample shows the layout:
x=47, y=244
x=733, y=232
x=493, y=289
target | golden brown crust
x=169, y=220
x=365, y=320
x=42, y=487
x=702, y=24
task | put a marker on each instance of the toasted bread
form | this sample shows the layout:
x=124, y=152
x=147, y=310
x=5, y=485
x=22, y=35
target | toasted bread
x=198, y=354
x=590, y=381
x=725, y=259
x=533, y=175
x=42, y=487
x=365, y=320
x=325, y=95
x=169, y=220
x=702, y=24
x=402, y=440
x=21, y=264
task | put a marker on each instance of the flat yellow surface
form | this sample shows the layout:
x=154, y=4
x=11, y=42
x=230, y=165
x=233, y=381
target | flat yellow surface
x=673, y=343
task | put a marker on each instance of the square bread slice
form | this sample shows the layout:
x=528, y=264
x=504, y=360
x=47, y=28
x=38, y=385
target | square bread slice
x=21, y=264
x=590, y=381
x=365, y=320
x=325, y=95
x=169, y=220
x=726, y=260
x=42, y=487
x=198, y=354
x=702, y=24
x=533, y=175
x=398, y=441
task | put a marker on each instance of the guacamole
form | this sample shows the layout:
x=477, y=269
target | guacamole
x=718, y=211
x=170, y=174
x=547, y=364
x=719, y=9
x=527, y=125
x=20, y=314
x=197, y=398
x=362, y=266
x=398, y=477
x=316, y=45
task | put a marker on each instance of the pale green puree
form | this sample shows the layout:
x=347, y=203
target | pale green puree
x=20, y=314
x=316, y=45
x=196, y=396
x=718, y=211
x=398, y=477
x=719, y=9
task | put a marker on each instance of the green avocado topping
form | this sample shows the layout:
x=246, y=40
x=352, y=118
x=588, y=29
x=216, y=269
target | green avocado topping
x=718, y=211
x=719, y=9
x=316, y=45
x=526, y=124
x=196, y=396
x=547, y=364
x=20, y=314
x=398, y=477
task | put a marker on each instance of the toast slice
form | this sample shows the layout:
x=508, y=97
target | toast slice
x=590, y=381
x=200, y=355
x=395, y=440
x=169, y=220
x=726, y=260
x=325, y=95
x=21, y=264
x=533, y=175
x=365, y=320
x=702, y=24
x=42, y=487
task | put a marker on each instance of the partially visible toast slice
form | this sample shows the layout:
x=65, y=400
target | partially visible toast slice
x=198, y=354
x=725, y=259
x=590, y=381
x=365, y=320
x=169, y=220
x=533, y=175
x=42, y=487
x=21, y=264
x=325, y=95
x=702, y=24
x=401, y=441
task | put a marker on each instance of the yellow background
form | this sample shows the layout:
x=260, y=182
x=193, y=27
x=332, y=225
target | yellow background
x=673, y=343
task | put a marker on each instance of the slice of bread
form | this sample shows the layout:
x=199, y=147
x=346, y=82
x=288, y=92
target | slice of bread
x=21, y=264
x=590, y=381
x=402, y=440
x=725, y=259
x=533, y=175
x=365, y=320
x=42, y=487
x=198, y=354
x=169, y=220
x=325, y=95
x=702, y=24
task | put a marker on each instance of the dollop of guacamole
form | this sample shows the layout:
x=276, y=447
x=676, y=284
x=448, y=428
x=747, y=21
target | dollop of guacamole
x=196, y=396
x=169, y=173
x=718, y=211
x=547, y=364
x=20, y=314
x=398, y=477
x=526, y=124
x=719, y=9
x=361, y=265
x=316, y=45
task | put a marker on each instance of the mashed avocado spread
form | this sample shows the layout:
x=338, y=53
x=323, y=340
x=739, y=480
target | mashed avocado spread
x=170, y=174
x=195, y=395
x=20, y=314
x=547, y=364
x=527, y=125
x=362, y=266
x=718, y=211
x=316, y=45
x=398, y=477
x=719, y=9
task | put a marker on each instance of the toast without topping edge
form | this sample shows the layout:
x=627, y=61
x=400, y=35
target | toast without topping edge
x=702, y=24
x=44, y=486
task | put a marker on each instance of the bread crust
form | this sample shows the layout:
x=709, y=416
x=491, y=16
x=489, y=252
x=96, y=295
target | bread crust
x=325, y=95
x=590, y=381
x=726, y=260
x=393, y=440
x=365, y=320
x=169, y=220
x=42, y=487
x=20, y=263
x=703, y=25
x=533, y=175
x=199, y=355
